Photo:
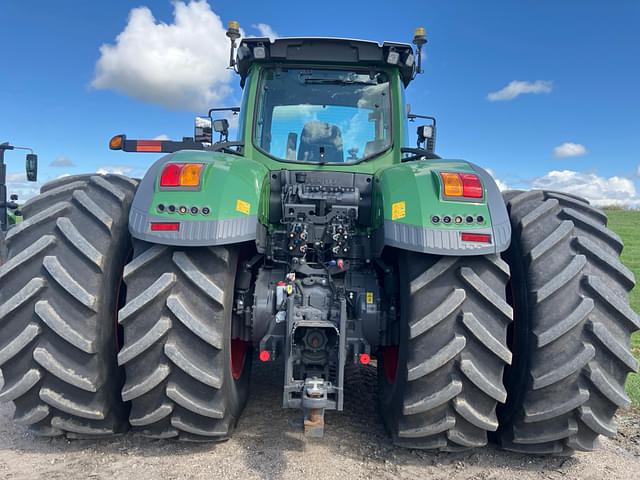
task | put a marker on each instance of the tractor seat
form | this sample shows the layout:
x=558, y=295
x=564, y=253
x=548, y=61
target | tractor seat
x=319, y=134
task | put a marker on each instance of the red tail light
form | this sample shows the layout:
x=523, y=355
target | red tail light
x=476, y=237
x=471, y=185
x=165, y=227
x=171, y=175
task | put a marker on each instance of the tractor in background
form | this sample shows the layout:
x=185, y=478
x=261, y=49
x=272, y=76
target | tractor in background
x=10, y=213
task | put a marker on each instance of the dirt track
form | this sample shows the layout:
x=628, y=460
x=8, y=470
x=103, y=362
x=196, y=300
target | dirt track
x=265, y=445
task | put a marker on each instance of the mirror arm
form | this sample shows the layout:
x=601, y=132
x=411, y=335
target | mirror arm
x=4, y=221
x=412, y=116
x=235, y=110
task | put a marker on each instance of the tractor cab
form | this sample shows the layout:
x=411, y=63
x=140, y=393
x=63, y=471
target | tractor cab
x=314, y=101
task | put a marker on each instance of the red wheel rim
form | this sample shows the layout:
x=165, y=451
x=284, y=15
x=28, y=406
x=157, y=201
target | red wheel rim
x=238, y=353
x=390, y=357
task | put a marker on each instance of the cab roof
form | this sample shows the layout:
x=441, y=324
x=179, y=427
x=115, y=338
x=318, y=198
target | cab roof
x=325, y=50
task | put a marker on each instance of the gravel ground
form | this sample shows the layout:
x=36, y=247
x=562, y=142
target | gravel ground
x=267, y=444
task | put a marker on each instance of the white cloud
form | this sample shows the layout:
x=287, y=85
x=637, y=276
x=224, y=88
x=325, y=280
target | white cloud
x=516, y=88
x=181, y=65
x=61, y=162
x=502, y=186
x=16, y=177
x=600, y=191
x=569, y=149
x=17, y=183
x=162, y=136
x=117, y=169
x=266, y=30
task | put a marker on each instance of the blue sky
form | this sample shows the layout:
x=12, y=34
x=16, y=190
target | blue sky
x=577, y=128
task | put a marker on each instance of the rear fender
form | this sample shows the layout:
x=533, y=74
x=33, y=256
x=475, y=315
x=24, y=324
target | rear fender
x=410, y=200
x=230, y=188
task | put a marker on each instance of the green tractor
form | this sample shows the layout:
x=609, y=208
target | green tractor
x=319, y=239
x=10, y=213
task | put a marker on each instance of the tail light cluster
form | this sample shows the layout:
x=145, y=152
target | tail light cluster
x=181, y=175
x=466, y=185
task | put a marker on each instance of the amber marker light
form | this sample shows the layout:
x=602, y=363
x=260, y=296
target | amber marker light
x=116, y=142
x=190, y=174
x=452, y=184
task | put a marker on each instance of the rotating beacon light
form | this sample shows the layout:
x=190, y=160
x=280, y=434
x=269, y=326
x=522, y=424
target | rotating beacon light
x=233, y=32
x=419, y=39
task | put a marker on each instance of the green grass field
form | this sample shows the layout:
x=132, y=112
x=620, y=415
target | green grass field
x=626, y=223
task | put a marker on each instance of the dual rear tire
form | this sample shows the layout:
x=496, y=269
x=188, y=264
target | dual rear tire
x=567, y=353
x=61, y=286
x=572, y=328
x=57, y=307
x=185, y=378
x=442, y=388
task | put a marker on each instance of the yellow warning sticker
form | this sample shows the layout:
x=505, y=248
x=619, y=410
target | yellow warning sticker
x=398, y=211
x=369, y=297
x=243, y=207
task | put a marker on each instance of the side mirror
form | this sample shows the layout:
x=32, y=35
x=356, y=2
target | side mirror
x=31, y=165
x=202, y=130
x=222, y=127
x=427, y=133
